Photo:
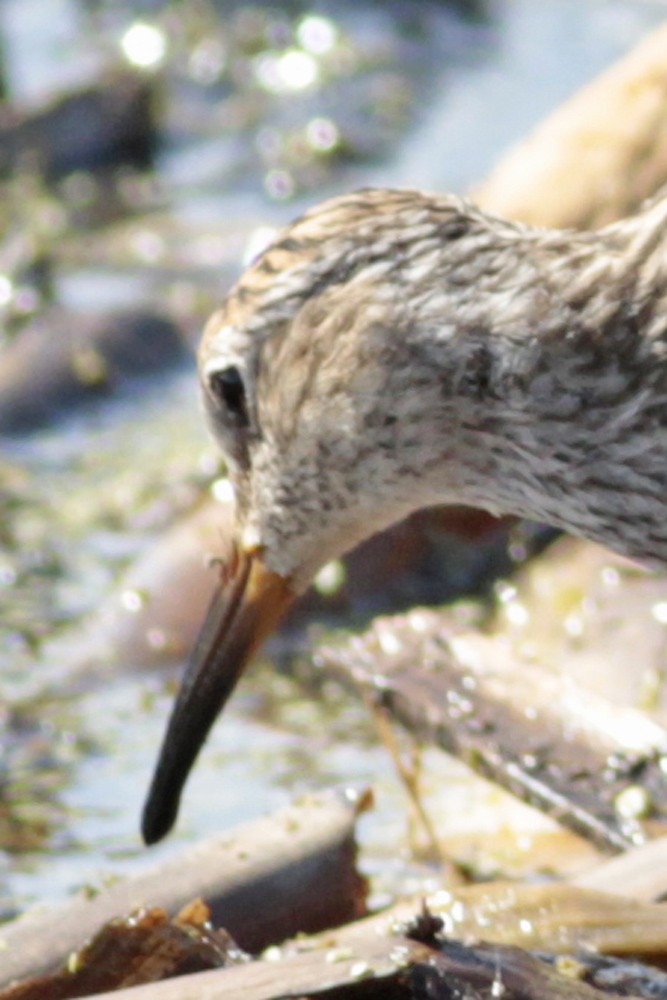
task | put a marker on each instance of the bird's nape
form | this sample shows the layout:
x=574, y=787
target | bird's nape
x=245, y=607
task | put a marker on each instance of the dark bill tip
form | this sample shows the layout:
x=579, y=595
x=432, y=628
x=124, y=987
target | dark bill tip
x=244, y=609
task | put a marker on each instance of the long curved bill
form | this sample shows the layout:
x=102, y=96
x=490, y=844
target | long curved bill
x=245, y=608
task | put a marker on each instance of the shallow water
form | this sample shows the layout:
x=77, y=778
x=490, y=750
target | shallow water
x=84, y=498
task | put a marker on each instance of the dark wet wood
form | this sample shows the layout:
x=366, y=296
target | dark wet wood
x=264, y=881
x=402, y=953
x=477, y=973
x=531, y=730
x=144, y=947
x=64, y=359
x=624, y=977
x=394, y=966
x=107, y=124
x=380, y=971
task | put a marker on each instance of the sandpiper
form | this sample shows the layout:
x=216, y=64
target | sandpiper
x=393, y=350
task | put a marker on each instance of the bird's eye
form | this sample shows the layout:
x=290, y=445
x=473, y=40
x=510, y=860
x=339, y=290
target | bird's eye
x=228, y=389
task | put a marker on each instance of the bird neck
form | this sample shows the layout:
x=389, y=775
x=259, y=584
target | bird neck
x=619, y=274
x=645, y=239
x=554, y=383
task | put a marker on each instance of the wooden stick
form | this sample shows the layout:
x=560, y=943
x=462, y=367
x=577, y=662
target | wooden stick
x=289, y=872
x=530, y=731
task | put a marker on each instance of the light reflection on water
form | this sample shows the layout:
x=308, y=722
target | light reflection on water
x=247, y=769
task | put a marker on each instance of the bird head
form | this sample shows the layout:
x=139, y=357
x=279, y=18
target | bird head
x=317, y=379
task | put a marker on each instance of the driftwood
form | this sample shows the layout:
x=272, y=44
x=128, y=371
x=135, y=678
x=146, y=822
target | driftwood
x=396, y=970
x=144, y=947
x=598, y=155
x=373, y=956
x=550, y=917
x=409, y=952
x=551, y=743
x=105, y=125
x=289, y=872
x=379, y=970
x=624, y=977
x=638, y=874
x=65, y=359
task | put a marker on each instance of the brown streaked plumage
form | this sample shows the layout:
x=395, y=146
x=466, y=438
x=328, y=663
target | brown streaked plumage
x=393, y=350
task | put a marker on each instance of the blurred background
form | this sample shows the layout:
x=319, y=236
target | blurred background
x=147, y=150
